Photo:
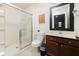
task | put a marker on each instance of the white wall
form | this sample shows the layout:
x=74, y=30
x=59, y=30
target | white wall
x=39, y=9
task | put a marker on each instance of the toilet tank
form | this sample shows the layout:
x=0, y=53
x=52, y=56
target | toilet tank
x=39, y=36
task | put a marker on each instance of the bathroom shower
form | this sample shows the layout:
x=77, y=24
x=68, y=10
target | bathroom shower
x=25, y=30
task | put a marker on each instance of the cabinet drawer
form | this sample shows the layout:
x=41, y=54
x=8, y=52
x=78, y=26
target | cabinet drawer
x=52, y=38
x=52, y=44
x=65, y=41
x=72, y=42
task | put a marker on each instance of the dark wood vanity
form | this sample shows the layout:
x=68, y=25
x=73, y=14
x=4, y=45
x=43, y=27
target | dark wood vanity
x=60, y=46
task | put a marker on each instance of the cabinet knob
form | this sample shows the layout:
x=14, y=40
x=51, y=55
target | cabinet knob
x=61, y=45
x=56, y=43
x=69, y=42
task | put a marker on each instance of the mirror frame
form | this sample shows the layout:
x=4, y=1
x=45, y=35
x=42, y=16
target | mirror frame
x=71, y=17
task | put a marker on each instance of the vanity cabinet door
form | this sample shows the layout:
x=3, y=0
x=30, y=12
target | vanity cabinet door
x=66, y=50
x=52, y=48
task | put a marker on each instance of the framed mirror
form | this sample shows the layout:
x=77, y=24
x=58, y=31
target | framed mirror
x=61, y=17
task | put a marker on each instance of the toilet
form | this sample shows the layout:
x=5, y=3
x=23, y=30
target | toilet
x=38, y=39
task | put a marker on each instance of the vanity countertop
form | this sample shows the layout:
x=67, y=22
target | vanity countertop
x=61, y=36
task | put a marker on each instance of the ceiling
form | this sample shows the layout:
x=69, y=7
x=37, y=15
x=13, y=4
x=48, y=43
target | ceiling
x=22, y=5
x=26, y=5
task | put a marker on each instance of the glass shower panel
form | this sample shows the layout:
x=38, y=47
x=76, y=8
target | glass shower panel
x=25, y=31
x=2, y=30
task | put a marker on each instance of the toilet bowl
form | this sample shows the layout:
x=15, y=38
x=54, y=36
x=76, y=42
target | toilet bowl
x=38, y=40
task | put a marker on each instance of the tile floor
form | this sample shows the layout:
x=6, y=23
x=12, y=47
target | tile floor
x=29, y=51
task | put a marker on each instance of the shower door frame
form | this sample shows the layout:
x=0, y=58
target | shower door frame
x=31, y=24
x=31, y=35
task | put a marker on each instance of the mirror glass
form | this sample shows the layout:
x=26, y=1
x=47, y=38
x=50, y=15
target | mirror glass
x=60, y=17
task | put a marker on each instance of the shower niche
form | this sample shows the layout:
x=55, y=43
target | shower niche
x=61, y=17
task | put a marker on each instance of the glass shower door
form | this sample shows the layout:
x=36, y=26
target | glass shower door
x=26, y=30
